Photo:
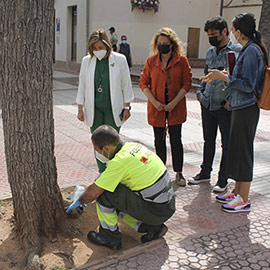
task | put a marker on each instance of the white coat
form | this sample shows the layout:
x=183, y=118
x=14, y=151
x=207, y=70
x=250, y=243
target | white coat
x=120, y=86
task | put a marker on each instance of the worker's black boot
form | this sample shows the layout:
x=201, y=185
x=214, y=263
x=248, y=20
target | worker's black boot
x=154, y=234
x=97, y=239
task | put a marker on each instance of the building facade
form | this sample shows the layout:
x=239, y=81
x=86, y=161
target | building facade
x=76, y=19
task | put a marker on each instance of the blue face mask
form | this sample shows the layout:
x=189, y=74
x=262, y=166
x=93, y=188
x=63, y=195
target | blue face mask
x=124, y=41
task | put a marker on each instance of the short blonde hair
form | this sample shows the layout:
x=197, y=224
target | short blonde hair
x=99, y=35
x=172, y=36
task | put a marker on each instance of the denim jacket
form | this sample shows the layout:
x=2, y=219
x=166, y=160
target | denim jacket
x=247, y=77
x=215, y=94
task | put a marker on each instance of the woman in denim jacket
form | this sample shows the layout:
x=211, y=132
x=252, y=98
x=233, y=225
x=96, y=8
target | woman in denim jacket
x=245, y=85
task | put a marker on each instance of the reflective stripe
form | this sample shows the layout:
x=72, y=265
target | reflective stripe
x=107, y=220
x=104, y=225
x=163, y=197
x=106, y=210
x=129, y=220
x=148, y=194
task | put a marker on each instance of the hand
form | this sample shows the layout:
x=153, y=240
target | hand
x=159, y=106
x=214, y=74
x=80, y=115
x=126, y=115
x=169, y=107
x=226, y=106
x=200, y=98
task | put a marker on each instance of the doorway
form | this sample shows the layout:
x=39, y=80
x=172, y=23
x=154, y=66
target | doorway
x=193, y=42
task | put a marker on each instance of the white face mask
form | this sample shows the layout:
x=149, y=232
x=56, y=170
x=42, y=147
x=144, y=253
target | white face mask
x=101, y=157
x=100, y=54
x=233, y=39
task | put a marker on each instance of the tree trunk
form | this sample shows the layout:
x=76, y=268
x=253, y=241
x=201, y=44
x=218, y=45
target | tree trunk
x=26, y=44
x=265, y=23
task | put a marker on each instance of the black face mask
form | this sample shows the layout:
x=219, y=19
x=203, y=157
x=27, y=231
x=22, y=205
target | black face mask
x=214, y=41
x=164, y=48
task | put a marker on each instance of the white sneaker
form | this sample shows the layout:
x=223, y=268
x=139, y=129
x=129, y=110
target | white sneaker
x=217, y=188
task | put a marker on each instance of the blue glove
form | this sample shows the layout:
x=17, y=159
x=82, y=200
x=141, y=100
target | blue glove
x=74, y=205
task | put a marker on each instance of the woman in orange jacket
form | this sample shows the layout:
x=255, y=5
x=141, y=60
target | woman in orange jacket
x=165, y=80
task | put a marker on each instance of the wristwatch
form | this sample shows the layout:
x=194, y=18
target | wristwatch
x=128, y=108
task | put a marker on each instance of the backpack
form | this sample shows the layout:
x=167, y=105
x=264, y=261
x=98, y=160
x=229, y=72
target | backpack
x=264, y=100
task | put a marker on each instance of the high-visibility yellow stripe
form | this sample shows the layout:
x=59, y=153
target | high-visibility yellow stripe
x=129, y=220
x=109, y=219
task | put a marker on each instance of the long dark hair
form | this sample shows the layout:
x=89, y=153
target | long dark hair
x=246, y=24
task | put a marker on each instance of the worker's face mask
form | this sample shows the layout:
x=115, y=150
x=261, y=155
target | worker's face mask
x=101, y=157
x=100, y=54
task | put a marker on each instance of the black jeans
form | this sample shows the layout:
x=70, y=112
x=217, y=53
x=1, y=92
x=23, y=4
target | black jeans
x=212, y=120
x=175, y=133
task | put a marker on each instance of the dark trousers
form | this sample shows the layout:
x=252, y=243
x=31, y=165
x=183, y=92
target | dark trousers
x=127, y=201
x=175, y=133
x=212, y=120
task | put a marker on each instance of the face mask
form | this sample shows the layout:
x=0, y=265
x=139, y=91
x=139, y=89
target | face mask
x=100, y=54
x=124, y=41
x=214, y=41
x=101, y=157
x=233, y=39
x=164, y=48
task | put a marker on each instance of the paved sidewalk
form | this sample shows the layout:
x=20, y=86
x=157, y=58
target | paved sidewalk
x=200, y=235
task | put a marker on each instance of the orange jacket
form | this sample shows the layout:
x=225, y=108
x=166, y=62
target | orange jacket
x=177, y=75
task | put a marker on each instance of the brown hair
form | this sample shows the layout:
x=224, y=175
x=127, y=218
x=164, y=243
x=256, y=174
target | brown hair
x=99, y=35
x=172, y=36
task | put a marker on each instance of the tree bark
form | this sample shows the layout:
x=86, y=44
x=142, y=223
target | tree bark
x=265, y=23
x=26, y=44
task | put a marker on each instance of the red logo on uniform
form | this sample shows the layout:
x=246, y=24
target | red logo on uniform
x=144, y=160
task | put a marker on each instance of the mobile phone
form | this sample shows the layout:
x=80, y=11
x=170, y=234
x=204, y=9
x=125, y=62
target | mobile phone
x=121, y=115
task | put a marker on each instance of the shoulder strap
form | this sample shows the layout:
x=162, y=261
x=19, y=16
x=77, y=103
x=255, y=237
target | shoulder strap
x=260, y=50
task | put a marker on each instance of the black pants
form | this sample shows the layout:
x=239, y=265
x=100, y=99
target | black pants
x=241, y=145
x=212, y=120
x=175, y=133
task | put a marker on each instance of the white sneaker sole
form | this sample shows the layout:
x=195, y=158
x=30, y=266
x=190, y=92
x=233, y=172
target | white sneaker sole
x=196, y=182
x=219, y=189
x=236, y=211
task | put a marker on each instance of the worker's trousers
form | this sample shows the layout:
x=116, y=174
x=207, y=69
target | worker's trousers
x=140, y=214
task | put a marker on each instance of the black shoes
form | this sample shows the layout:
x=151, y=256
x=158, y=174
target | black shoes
x=95, y=238
x=199, y=178
x=154, y=234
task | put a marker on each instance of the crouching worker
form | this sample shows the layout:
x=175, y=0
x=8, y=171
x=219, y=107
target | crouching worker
x=135, y=186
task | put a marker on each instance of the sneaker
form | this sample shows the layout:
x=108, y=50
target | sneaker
x=180, y=180
x=225, y=198
x=199, y=178
x=220, y=188
x=237, y=205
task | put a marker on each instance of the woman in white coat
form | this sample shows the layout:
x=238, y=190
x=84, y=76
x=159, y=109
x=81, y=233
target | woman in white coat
x=105, y=89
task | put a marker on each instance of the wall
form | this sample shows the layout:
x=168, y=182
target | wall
x=63, y=49
x=250, y=6
x=140, y=26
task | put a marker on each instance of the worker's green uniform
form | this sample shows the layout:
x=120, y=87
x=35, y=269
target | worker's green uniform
x=103, y=106
x=138, y=189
